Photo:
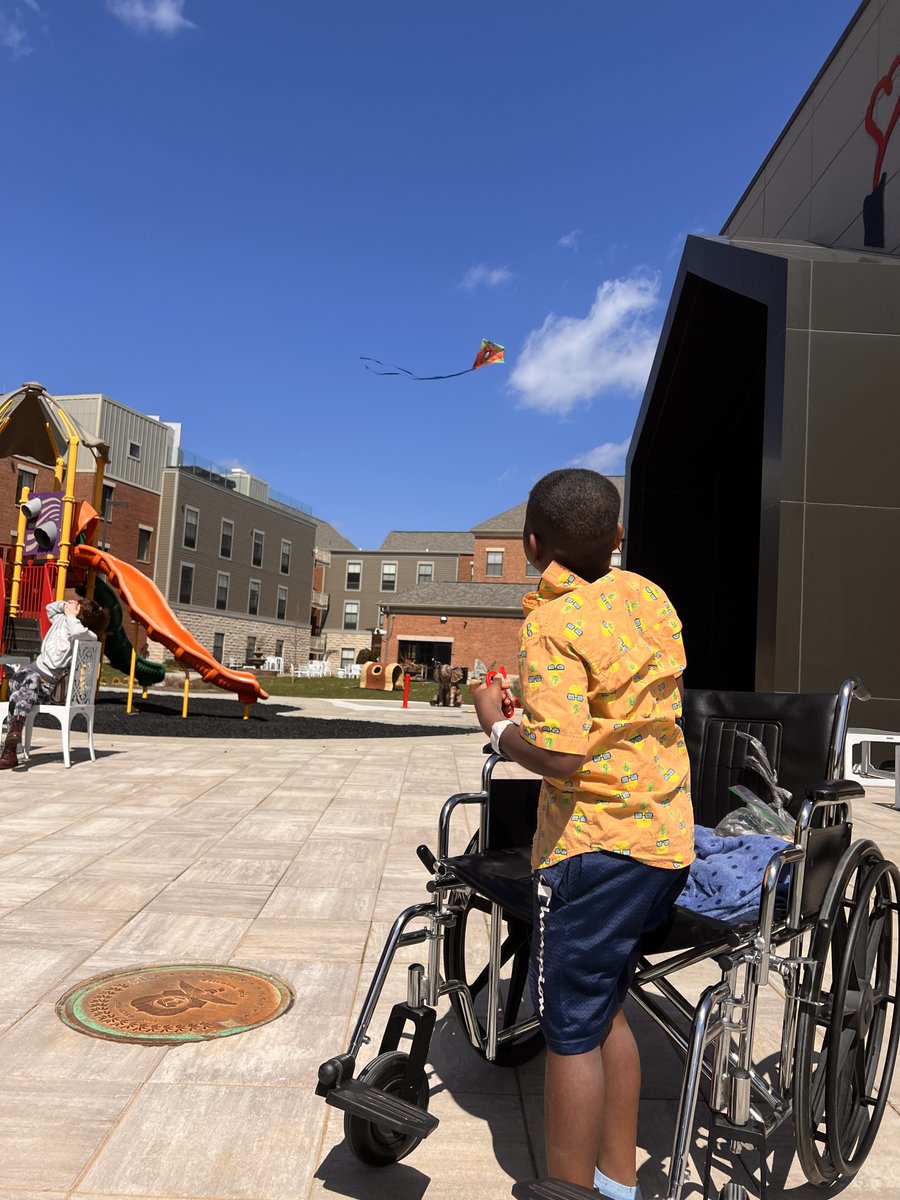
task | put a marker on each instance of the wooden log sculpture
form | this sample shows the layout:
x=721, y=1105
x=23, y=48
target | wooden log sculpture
x=448, y=679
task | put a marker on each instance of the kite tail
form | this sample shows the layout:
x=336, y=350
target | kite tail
x=409, y=374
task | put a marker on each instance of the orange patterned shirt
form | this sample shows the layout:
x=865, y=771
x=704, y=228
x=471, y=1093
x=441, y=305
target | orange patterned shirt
x=598, y=665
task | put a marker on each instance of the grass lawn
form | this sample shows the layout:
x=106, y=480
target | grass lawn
x=285, y=685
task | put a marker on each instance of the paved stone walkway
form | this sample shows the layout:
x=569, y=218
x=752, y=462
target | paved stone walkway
x=287, y=857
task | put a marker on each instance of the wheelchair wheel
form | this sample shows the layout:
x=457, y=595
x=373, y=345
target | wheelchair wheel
x=373, y=1144
x=849, y=1025
x=465, y=961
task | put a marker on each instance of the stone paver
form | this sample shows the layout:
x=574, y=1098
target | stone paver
x=290, y=857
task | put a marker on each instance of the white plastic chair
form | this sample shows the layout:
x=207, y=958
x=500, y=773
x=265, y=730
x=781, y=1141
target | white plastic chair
x=80, y=692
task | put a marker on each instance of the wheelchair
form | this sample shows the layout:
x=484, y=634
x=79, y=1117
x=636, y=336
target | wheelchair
x=828, y=937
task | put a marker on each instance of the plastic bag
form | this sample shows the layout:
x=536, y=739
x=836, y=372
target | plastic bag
x=758, y=815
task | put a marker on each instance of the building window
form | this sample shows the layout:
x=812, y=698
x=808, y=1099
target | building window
x=250, y=652
x=259, y=541
x=354, y=577
x=279, y=647
x=285, y=557
x=191, y=525
x=388, y=577
x=134, y=451
x=218, y=650
x=26, y=479
x=222, y=581
x=494, y=567
x=226, y=539
x=186, y=584
x=106, y=502
x=424, y=572
x=253, y=598
x=530, y=571
x=351, y=614
x=143, y=548
x=348, y=657
x=281, y=604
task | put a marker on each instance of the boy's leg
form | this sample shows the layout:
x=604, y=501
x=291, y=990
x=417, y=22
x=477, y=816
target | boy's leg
x=586, y=1123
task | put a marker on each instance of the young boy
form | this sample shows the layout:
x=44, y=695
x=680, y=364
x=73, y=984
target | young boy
x=35, y=683
x=600, y=662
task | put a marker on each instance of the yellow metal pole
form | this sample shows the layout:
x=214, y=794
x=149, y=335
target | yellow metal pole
x=246, y=716
x=187, y=688
x=131, y=678
x=65, y=538
x=20, y=551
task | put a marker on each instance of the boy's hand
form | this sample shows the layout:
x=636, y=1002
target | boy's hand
x=489, y=700
x=71, y=609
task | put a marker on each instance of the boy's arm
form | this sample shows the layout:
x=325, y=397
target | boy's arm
x=552, y=763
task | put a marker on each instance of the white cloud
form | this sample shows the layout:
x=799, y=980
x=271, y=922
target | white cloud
x=14, y=26
x=608, y=459
x=569, y=241
x=573, y=359
x=481, y=275
x=151, y=16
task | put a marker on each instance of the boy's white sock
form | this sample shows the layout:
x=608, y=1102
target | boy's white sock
x=612, y=1190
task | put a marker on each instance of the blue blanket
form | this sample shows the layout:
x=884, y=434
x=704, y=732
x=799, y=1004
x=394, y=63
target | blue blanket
x=725, y=879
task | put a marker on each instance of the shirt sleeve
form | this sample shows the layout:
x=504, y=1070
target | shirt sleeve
x=662, y=627
x=55, y=608
x=555, y=707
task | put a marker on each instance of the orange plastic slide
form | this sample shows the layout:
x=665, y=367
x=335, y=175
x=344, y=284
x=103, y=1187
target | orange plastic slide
x=148, y=606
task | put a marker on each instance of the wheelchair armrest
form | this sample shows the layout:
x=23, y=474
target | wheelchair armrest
x=832, y=790
x=447, y=812
x=775, y=868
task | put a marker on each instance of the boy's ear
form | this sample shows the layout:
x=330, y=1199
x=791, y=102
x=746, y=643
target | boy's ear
x=620, y=534
x=532, y=548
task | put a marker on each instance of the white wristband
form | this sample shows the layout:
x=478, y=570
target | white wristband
x=496, y=733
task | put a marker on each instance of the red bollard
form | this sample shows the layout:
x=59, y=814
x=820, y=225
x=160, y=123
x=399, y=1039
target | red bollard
x=406, y=690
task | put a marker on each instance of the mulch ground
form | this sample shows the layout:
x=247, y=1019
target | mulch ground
x=214, y=718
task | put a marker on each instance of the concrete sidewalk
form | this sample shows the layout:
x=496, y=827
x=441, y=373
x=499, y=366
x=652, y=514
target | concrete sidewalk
x=286, y=857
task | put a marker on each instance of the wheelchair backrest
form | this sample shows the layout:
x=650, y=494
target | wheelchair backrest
x=796, y=730
x=511, y=813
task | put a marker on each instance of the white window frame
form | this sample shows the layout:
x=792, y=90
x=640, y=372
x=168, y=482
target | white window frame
x=189, y=508
x=388, y=563
x=258, y=584
x=348, y=657
x=132, y=446
x=281, y=570
x=354, y=562
x=149, y=530
x=20, y=471
x=262, y=547
x=220, y=575
x=488, y=552
x=282, y=596
x=230, y=554
x=355, y=626
x=181, y=570
x=220, y=657
x=419, y=566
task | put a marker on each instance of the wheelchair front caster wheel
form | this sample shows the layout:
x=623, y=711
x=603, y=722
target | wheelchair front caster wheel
x=734, y=1191
x=373, y=1144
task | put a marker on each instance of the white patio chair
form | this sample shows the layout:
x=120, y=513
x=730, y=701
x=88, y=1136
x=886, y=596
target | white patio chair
x=80, y=692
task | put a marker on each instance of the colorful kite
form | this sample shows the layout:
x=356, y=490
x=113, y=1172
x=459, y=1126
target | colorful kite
x=490, y=352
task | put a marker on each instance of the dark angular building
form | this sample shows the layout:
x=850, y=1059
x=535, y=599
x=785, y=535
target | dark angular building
x=771, y=418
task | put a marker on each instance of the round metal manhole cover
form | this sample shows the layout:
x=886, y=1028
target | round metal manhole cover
x=171, y=1003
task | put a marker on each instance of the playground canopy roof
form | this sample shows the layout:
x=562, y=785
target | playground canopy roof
x=34, y=425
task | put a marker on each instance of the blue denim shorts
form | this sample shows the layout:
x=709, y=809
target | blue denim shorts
x=590, y=914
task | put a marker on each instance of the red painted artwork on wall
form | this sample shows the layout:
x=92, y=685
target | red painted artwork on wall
x=873, y=204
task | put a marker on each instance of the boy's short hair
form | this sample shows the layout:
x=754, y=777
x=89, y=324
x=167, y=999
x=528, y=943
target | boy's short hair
x=575, y=513
x=93, y=616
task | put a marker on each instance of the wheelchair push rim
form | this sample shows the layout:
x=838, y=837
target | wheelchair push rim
x=463, y=962
x=849, y=1025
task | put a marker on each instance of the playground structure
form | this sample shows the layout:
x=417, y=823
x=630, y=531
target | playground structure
x=46, y=559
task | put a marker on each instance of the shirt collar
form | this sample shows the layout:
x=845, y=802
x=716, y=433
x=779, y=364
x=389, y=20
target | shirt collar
x=556, y=581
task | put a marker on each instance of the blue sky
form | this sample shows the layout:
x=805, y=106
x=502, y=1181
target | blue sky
x=211, y=208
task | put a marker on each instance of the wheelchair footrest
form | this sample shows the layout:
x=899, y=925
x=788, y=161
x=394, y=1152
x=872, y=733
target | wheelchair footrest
x=373, y=1105
x=552, y=1189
